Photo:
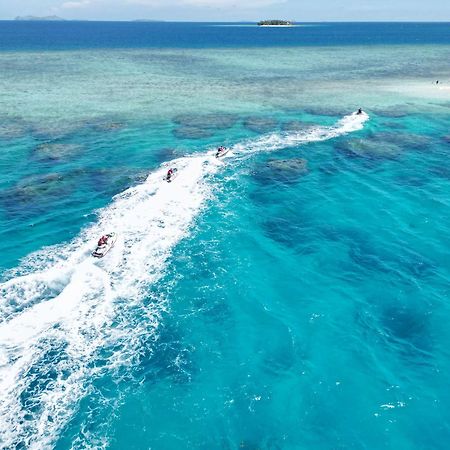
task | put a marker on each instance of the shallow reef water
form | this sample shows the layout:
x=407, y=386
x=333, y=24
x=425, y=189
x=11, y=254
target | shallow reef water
x=369, y=148
x=56, y=152
x=202, y=125
x=35, y=190
x=281, y=171
x=260, y=124
x=296, y=125
x=12, y=128
x=291, y=294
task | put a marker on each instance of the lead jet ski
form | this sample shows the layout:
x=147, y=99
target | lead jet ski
x=171, y=175
x=104, y=245
x=222, y=151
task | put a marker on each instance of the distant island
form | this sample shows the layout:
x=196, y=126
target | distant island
x=40, y=19
x=275, y=23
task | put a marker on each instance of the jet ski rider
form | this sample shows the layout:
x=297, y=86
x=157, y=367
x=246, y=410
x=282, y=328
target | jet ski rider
x=220, y=150
x=103, y=240
x=169, y=174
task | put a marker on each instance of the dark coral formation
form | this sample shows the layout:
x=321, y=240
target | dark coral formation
x=393, y=112
x=382, y=145
x=408, y=140
x=284, y=230
x=366, y=256
x=260, y=124
x=106, y=125
x=12, y=128
x=39, y=185
x=326, y=111
x=393, y=125
x=54, y=130
x=282, y=171
x=56, y=152
x=297, y=165
x=293, y=231
x=192, y=126
x=34, y=193
x=441, y=172
x=296, y=126
x=416, y=180
x=192, y=133
x=50, y=131
x=207, y=121
x=408, y=327
x=368, y=148
x=115, y=180
x=167, y=154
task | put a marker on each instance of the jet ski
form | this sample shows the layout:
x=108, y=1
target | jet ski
x=105, y=244
x=221, y=152
x=171, y=177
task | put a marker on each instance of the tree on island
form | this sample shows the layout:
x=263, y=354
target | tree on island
x=274, y=22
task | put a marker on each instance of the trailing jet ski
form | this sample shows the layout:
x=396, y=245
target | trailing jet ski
x=104, y=245
x=171, y=175
x=222, y=151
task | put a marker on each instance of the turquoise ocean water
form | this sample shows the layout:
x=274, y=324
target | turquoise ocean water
x=293, y=295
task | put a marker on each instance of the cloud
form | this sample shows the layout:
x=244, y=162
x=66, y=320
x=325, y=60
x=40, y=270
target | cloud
x=76, y=4
x=193, y=4
x=149, y=2
x=247, y=4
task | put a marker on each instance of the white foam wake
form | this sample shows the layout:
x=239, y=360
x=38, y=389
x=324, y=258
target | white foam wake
x=275, y=141
x=65, y=306
x=90, y=295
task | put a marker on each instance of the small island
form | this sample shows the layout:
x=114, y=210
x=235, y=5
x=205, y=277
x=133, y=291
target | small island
x=40, y=19
x=275, y=23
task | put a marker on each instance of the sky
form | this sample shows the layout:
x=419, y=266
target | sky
x=232, y=10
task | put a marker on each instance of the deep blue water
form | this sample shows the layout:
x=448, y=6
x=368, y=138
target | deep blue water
x=294, y=295
x=18, y=35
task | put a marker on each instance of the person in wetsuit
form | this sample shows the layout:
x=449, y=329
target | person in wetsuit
x=103, y=240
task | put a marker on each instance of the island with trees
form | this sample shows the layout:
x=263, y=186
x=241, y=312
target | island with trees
x=40, y=19
x=275, y=23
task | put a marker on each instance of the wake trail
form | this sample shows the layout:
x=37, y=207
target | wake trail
x=276, y=141
x=61, y=307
